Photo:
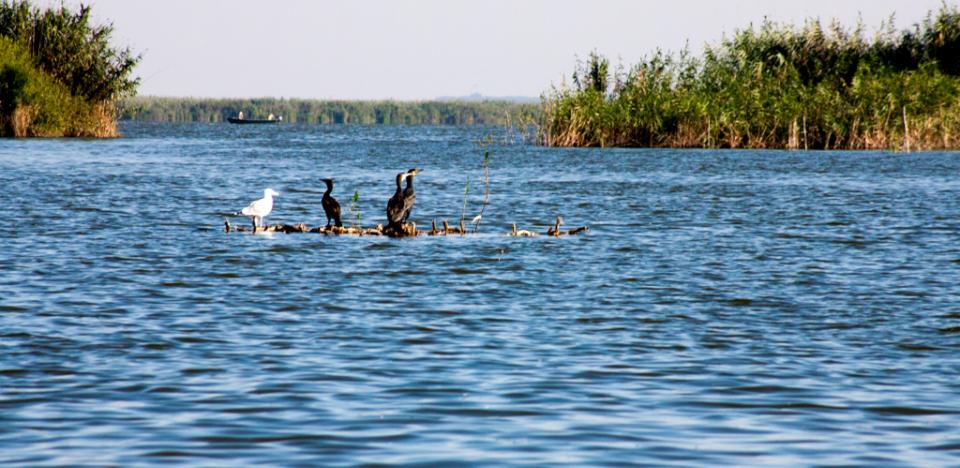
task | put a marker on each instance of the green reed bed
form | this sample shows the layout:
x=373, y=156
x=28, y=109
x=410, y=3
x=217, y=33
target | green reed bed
x=776, y=86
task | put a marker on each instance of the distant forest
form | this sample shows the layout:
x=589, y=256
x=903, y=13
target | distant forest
x=166, y=109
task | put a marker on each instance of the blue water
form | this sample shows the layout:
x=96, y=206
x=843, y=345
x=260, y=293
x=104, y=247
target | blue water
x=725, y=307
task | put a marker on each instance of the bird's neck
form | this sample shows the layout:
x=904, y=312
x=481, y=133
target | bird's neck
x=329, y=189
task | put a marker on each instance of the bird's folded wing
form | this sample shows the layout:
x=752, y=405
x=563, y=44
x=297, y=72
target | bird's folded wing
x=250, y=210
x=261, y=207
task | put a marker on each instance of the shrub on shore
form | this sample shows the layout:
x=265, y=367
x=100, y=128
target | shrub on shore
x=58, y=74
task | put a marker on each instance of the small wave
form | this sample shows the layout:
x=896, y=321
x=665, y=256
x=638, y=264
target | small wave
x=120, y=259
x=917, y=347
x=282, y=249
x=465, y=271
x=224, y=274
x=948, y=447
x=909, y=410
x=485, y=412
x=418, y=341
x=189, y=339
x=158, y=346
x=774, y=405
x=253, y=409
x=855, y=243
x=790, y=235
x=762, y=389
x=176, y=454
x=838, y=222
x=13, y=335
x=133, y=388
x=201, y=370
x=841, y=326
x=377, y=246
x=428, y=389
x=163, y=389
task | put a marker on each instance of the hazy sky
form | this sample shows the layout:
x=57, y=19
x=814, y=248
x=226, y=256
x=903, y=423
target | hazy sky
x=374, y=49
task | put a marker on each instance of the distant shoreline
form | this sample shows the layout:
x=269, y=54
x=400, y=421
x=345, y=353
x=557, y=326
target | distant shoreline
x=316, y=111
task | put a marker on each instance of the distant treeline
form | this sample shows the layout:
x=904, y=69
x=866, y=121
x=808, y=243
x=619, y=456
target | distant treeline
x=59, y=76
x=777, y=86
x=165, y=109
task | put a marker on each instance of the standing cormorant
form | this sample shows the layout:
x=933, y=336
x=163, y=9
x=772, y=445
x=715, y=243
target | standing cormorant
x=409, y=196
x=395, y=207
x=330, y=205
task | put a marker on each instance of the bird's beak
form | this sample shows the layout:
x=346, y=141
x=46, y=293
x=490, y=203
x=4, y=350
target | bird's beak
x=417, y=171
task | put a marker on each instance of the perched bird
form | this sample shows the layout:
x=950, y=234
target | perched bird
x=409, y=196
x=260, y=208
x=395, y=207
x=330, y=205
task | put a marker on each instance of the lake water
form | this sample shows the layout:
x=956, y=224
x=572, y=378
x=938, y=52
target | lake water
x=725, y=307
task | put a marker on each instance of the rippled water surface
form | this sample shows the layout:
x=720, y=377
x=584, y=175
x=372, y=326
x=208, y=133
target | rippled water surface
x=725, y=307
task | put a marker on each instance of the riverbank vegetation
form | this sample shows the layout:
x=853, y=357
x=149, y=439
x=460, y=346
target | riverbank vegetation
x=59, y=76
x=167, y=109
x=774, y=86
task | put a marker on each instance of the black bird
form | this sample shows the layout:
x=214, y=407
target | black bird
x=409, y=196
x=330, y=205
x=395, y=207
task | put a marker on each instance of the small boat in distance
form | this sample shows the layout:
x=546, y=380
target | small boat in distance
x=239, y=119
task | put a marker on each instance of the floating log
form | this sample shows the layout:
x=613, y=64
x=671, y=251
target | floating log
x=344, y=230
x=295, y=228
x=451, y=230
x=406, y=230
x=284, y=228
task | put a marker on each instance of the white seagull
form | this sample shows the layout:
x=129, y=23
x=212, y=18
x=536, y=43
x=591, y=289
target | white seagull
x=260, y=208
